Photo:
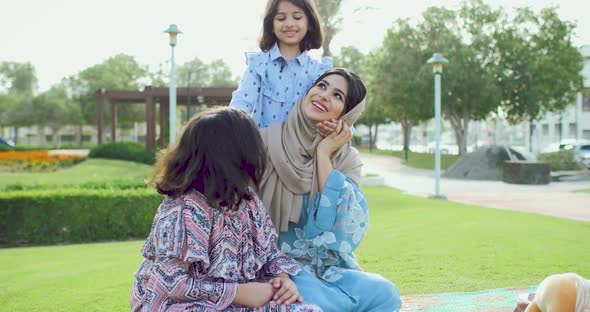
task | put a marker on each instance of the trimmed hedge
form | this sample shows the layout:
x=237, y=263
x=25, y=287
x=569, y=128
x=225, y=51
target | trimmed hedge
x=561, y=160
x=41, y=217
x=123, y=184
x=123, y=151
x=37, y=148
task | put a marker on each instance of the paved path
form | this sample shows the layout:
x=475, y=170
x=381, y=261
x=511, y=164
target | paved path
x=554, y=199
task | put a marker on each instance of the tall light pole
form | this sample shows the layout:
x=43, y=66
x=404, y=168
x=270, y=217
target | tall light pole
x=188, y=97
x=437, y=60
x=172, y=31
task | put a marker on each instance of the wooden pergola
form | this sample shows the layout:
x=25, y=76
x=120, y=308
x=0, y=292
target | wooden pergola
x=150, y=97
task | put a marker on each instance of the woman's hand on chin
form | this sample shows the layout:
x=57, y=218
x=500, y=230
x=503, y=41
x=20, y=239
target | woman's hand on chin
x=326, y=127
x=335, y=140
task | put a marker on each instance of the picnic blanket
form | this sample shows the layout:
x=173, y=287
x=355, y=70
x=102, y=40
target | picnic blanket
x=493, y=300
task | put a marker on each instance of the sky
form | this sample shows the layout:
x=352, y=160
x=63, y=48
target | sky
x=63, y=37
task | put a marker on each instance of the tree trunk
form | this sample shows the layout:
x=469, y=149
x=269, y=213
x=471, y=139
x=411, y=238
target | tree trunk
x=15, y=136
x=54, y=135
x=407, y=130
x=531, y=130
x=328, y=10
x=41, y=133
x=375, y=135
x=78, y=135
x=458, y=128
x=370, y=138
x=328, y=36
x=463, y=146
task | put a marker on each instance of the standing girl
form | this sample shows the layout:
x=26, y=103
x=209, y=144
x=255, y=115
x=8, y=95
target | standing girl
x=212, y=245
x=283, y=72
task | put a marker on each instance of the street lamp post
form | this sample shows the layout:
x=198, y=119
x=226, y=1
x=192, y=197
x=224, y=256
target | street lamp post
x=437, y=60
x=188, y=97
x=172, y=31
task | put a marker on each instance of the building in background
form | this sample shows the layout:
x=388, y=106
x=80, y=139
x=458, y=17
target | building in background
x=571, y=124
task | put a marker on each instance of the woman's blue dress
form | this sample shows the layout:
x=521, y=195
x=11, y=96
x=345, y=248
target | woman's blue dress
x=331, y=226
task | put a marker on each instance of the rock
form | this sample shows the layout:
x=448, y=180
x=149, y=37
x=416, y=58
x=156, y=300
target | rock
x=486, y=163
x=526, y=172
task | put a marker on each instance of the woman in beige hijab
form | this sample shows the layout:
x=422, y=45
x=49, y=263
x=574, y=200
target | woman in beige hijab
x=311, y=189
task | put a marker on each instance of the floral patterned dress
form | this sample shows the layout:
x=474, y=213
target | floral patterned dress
x=329, y=230
x=196, y=256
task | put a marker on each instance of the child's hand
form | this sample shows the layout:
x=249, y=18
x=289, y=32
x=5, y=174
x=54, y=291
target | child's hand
x=285, y=290
x=325, y=128
x=254, y=294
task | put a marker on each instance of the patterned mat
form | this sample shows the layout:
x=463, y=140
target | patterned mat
x=493, y=300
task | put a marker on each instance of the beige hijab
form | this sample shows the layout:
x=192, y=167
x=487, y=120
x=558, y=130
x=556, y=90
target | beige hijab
x=291, y=168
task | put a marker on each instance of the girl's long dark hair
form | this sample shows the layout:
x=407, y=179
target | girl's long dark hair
x=220, y=154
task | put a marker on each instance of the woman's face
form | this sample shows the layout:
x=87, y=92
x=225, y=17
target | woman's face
x=325, y=100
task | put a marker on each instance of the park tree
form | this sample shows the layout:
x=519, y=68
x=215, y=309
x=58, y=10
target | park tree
x=119, y=72
x=350, y=57
x=399, y=80
x=18, y=83
x=465, y=37
x=8, y=102
x=329, y=11
x=196, y=73
x=220, y=75
x=376, y=112
x=18, y=78
x=17, y=112
x=55, y=109
x=538, y=67
x=192, y=73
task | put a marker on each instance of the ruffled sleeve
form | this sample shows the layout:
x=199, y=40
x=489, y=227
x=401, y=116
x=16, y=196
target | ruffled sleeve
x=317, y=68
x=247, y=95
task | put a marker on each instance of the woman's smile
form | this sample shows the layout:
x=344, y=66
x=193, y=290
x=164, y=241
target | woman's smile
x=325, y=100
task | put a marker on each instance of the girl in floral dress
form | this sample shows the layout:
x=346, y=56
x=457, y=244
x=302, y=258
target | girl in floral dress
x=212, y=245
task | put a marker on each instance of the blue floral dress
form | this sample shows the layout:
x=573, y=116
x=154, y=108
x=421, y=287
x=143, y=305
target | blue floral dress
x=329, y=230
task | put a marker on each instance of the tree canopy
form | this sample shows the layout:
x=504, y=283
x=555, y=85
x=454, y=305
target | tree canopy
x=496, y=60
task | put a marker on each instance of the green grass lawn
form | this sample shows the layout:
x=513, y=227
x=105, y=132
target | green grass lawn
x=424, y=246
x=583, y=191
x=416, y=160
x=88, y=171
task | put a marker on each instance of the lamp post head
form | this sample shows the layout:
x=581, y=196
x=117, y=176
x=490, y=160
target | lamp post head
x=173, y=30
x=437, y=61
